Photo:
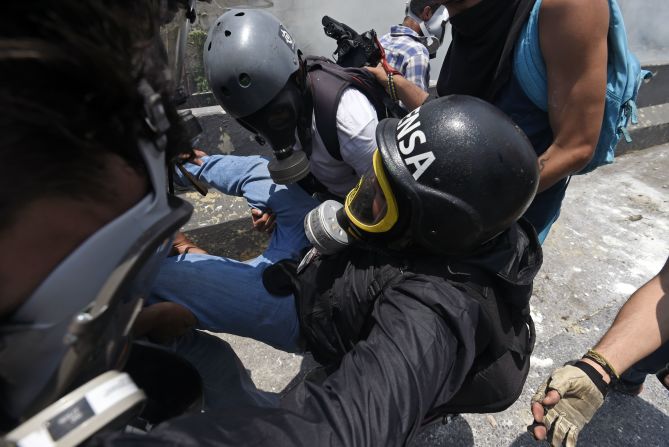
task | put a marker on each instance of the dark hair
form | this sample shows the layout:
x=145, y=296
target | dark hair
x=417, y=6
x=69, y=72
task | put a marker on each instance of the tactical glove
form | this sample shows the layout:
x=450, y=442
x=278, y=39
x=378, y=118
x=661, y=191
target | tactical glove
x=582, y=391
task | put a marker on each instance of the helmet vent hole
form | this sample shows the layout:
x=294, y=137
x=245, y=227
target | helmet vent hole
x=227, y=33
x=239, y=14
x=209, y=47
x=225, y=92
x=244, y=80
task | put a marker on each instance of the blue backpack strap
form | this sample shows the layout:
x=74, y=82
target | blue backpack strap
x=624, y=78
x=529, y=66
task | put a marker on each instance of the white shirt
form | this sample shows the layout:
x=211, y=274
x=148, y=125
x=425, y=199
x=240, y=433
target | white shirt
x=356, y=130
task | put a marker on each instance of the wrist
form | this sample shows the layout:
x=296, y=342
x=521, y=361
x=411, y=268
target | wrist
x=594, y=375
x=603, y=363
x=392, y=90
x=605, y=376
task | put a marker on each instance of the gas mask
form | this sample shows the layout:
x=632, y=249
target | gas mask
x=277, y=123
x=75, y=328
x=370, y=212
x=434, y=30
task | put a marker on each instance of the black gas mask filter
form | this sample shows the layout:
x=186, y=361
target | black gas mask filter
x=277, y=124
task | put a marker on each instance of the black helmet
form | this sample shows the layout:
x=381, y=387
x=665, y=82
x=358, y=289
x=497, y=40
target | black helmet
x=461, y=171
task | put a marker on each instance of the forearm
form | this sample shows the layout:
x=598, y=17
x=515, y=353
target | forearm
x=573, y=38
x=641, y=326
x=411, y=95
x=559, y=162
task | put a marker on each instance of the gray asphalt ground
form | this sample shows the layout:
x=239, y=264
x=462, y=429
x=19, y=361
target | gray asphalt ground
x=613, y=236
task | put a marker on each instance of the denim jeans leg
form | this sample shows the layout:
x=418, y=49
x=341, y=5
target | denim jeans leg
x=249, y=177
x=227, y=295
x=226, y=383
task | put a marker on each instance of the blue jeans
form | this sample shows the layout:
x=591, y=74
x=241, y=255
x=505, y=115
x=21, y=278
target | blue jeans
x=226, y=383
x=226, y=295
x=545, y=208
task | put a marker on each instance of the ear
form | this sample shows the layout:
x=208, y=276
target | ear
x=426, y=14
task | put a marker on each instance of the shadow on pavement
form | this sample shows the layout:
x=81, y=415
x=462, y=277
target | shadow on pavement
x=622, y=421
x=456, y=433
x=235, y=239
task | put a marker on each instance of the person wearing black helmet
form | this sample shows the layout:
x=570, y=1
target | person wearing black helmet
x=416, y=300
x=571, y=41
x=417, y=289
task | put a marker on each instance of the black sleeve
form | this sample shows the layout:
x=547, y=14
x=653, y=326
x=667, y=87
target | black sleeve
x=415, y=358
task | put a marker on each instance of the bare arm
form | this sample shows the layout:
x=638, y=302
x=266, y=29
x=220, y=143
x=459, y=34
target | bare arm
x=573, y=38
x=641, y=326
x=409, y=93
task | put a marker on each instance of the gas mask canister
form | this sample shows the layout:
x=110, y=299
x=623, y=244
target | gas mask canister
x=434, y=30
x=370, y=211
x=277, y=124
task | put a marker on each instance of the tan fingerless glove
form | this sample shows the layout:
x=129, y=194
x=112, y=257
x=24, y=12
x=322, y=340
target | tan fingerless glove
x=580, y=399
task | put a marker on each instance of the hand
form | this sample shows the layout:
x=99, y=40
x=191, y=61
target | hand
x=182, y=245
x=163, y=322
x=263, y=221
x=565, y=402
x=194, y=157
x=380, y=74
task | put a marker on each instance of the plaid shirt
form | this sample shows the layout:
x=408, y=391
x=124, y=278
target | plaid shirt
x=406, y=53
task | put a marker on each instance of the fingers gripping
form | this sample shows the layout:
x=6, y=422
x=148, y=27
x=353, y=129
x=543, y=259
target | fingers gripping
x=579, y=400
x=540, y=393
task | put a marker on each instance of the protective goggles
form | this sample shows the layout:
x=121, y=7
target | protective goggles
x=371, y=206
x=77, y=324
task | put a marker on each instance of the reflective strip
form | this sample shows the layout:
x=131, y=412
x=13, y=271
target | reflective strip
x=38, y=438
x=95, y=402
x=110, y=393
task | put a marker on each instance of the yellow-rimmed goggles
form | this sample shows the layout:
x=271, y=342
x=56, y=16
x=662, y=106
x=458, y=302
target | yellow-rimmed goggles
x=371, y=205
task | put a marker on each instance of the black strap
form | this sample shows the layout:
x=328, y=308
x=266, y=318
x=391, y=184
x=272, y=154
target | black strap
x=326, y=90
x=594, y=375
x=327, y=84
x=503, y=70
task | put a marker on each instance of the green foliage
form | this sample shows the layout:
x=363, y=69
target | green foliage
x=196, y=39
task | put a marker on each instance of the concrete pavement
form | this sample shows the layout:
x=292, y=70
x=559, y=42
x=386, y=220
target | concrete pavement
x=612, y=236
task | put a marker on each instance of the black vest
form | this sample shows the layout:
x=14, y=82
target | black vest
x=327, y=82
x=335, y=297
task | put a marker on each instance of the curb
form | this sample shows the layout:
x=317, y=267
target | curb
x=222, y=134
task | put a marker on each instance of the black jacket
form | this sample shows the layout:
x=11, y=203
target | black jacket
x=401, y=357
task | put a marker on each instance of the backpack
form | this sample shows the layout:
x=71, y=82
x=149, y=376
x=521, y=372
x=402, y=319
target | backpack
x=328, y=82
x=624, y=78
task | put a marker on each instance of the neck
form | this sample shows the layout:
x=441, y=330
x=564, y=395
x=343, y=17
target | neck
x=411, y=23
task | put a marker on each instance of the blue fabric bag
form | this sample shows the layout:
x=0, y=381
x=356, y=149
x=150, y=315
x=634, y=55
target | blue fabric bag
x=624, y=77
